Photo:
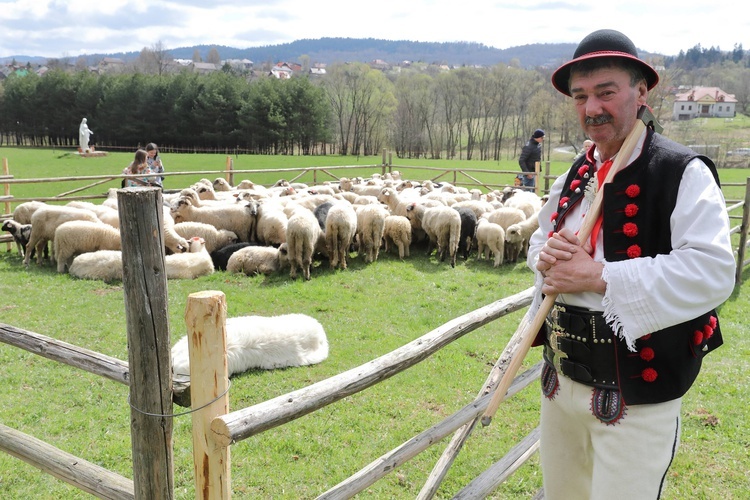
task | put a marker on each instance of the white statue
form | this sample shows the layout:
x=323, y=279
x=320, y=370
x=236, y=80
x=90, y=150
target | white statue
x=83, y=136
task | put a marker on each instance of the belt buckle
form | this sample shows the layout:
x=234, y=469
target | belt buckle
x=556, y=333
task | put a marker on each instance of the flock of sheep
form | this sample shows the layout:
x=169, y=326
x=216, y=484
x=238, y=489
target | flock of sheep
x=254, y=229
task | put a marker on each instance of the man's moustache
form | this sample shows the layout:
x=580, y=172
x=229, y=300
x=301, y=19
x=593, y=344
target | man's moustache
x=598, y=120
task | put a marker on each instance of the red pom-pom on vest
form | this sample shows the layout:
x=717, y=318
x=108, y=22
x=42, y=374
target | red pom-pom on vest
x=713, y=321
x=583, y=170
x=634, y=251
x=633, y=190
x=649, y=375
x=564, y=200
x=631, y=209
x=630, y=229
x=707, y=332
x=697, y=337
x=554, y=217
x=647, y=354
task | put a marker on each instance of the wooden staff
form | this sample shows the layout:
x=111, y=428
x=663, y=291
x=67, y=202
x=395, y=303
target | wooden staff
x=645, y=118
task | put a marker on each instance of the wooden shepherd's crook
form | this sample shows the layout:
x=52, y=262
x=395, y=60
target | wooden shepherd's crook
x=645, y=118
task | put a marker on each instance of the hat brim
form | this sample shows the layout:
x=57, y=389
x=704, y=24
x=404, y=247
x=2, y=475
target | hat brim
x=561, y=76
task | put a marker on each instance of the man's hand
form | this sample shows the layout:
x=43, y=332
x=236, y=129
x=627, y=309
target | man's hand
x=567, y=266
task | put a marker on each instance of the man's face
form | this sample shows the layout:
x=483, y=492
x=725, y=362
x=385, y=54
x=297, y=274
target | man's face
x=607, y=106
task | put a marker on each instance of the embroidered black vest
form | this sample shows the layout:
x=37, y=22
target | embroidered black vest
x=637, y=206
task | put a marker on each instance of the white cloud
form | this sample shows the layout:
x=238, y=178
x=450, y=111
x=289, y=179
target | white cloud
x=55, y=28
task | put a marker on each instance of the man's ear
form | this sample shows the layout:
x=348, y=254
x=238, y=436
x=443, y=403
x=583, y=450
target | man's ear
x=642, y=93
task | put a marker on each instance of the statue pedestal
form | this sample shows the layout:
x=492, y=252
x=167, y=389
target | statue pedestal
x=91, y=154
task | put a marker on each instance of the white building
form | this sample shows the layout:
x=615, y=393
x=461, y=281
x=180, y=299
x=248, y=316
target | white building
x=703, y=102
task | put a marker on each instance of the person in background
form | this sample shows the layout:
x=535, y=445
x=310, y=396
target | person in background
x=155, y=163
x=635, y=308
x=584, y=149
x=139, y=165
x=530, y=154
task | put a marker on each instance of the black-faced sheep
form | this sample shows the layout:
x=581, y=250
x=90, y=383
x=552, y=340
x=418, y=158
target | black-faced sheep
x=45, y=221
x=76, y=237
x=397, y=233
x=191, y=264
x=264, y=342
x=20, y=232
x=253, y=260
x=341, y=227
x=490, y=240
x=302, y=235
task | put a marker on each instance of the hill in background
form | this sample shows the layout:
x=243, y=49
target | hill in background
x=333, y=50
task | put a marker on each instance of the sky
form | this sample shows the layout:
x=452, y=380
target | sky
x=69, y=28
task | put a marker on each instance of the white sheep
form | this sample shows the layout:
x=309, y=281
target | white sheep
x=191, y=264
x=264, y=342
x=214, y=238
x=527, y=201
x=505, y=216
x=238, y=217
x=106, y=214
x=270, y=225
x=173, y=242
x=103, y=265
x=479, y=207
x=254, y=260
x=442, y=226
x=23, y=212
x=77, y=237
x=45, y=221
x=490, y=239
x=370, y=228
x=517, y=237
x=397, y=233
x=341, y=227
x=302, y=236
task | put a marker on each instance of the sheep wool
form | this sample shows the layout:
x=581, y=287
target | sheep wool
x=196, y=262
x=264, y=342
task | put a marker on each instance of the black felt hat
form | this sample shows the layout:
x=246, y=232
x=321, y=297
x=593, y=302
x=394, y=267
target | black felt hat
x=603, y=43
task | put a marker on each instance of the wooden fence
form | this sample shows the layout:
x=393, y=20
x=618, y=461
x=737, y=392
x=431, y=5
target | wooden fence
x=214, y=430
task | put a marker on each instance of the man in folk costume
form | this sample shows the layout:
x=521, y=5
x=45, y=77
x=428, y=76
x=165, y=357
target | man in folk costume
x=635, y=307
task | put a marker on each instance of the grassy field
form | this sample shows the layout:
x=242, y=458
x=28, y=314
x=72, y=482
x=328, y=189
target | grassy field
x=367, y=311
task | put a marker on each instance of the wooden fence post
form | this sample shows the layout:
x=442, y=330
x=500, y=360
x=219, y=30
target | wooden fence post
x=744, y=227
x=205, y=318
x=6, y=191
x=230, y=171
x=144, y=282
x=537, y=178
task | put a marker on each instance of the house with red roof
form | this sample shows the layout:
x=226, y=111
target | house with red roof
x=702, y=102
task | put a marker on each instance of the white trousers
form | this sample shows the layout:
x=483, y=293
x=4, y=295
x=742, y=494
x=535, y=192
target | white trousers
x=585, y=459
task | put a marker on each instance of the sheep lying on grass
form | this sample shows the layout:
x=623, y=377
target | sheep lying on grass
x=264, y=342
x=105, y=265
x=80, y=236
x=20, y=232
x=222, y=255
x=191, y=264
x=253, y=260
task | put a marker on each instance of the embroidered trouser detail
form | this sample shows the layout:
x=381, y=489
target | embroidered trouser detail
x=607, y=405
x=549, y=381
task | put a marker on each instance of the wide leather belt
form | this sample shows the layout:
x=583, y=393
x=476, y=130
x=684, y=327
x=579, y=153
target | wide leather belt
x=580, y=345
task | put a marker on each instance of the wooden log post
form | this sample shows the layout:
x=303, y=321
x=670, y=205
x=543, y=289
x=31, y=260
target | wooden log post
x=145, y=287
x=744, y=227
x=230, y=171
x=205, y=317
x=6, y=194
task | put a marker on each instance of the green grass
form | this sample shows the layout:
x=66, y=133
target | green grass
x=367, y=311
